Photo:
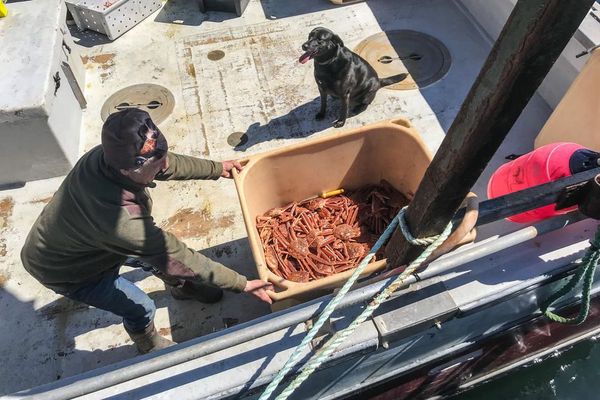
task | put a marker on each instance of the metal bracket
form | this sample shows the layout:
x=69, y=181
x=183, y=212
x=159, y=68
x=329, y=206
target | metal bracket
x=572, y=195
x=56, y=78
x=66, y=47
x=72, y=79
x=422, y=306
x=590, y=202
x=585, y=194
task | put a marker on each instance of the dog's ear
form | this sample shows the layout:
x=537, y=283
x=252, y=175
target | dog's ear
x=337, y=40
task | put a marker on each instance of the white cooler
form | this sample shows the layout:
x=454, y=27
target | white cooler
x=41, y=93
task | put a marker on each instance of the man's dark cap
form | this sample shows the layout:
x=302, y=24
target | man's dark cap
x=123, y=137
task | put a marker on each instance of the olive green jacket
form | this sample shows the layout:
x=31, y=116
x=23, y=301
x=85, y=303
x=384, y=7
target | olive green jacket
x=98, y=218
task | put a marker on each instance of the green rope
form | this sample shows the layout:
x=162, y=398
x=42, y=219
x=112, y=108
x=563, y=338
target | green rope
x=585, y=271
x=331, y=306
x=341, y=336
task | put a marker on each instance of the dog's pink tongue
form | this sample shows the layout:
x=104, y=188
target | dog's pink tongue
x=305, y=57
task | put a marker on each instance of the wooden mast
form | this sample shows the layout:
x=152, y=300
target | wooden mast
x=532, y=39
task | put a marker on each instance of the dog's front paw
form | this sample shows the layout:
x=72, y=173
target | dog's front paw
x=320, y=116
x=338, y=123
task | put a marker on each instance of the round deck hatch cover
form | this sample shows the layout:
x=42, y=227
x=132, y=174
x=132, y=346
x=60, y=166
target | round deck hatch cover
x=423, y=57
x=156, y=99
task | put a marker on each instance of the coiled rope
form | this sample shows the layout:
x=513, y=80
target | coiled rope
x=330, y=346
x=585, y=271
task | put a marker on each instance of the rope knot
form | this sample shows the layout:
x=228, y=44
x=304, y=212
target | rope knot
x=406, y=231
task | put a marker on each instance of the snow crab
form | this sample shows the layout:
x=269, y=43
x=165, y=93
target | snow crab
x=313, y=239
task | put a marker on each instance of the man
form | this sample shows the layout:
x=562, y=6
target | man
x=100, y=217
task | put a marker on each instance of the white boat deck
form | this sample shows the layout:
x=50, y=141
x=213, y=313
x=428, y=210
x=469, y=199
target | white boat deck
x=258, y=88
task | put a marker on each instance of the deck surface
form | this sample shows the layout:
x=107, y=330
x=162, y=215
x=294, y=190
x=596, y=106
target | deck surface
x=257, y=88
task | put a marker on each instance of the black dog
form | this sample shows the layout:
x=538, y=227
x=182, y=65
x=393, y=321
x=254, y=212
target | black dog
x=341, y=73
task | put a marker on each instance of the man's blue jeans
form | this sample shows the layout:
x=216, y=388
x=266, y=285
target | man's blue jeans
x=121, y=297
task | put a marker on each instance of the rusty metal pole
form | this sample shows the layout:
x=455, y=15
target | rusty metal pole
x=534, y=36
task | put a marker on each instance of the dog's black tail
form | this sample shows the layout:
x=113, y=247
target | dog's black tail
x=390, y=80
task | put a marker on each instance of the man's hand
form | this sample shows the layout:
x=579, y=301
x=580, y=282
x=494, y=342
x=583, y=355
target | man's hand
x=259, y=289
x=228, y=166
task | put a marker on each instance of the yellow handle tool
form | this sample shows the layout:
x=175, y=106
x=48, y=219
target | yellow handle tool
x=324, y=195
x=3, y=10
x=331, y=193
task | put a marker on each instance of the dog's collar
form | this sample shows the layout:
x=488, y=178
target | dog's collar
x=332, y=59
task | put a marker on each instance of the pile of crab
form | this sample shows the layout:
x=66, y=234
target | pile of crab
x=312, y=239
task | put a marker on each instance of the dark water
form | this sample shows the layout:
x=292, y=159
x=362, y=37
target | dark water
x=573, y=374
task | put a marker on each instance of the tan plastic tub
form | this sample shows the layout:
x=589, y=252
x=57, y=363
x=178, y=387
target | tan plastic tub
x=390, y=150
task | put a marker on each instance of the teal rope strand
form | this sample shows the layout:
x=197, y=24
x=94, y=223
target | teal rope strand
x=341, y=336
x=585, y=271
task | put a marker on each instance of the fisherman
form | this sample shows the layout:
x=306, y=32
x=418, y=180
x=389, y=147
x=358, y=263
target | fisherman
x=100, y=218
